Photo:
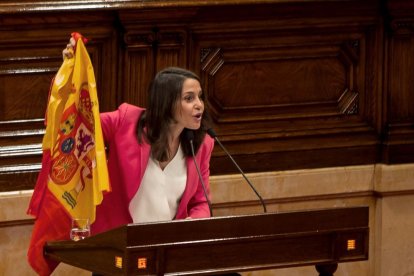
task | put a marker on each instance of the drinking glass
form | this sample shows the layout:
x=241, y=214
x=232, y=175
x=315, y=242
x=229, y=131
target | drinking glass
x=80, y=229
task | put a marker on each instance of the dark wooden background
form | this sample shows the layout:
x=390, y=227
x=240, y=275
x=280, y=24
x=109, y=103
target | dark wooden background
x=290, y=84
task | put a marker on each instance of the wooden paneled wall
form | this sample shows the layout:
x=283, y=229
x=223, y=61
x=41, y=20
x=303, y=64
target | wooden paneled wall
x=290, y=84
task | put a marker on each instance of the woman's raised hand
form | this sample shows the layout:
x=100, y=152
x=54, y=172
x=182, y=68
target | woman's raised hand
x=68, y=52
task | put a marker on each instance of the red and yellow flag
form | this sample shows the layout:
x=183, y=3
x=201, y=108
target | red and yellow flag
x=74, y=173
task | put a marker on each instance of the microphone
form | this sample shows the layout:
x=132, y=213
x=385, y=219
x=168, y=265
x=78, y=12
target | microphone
x=189, y=134
x=213, y=135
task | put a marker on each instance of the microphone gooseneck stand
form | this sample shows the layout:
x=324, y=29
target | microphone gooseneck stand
x=213, y=135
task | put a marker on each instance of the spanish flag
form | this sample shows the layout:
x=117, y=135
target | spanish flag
x=74, y=173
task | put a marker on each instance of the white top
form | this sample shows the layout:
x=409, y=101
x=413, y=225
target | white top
x=160, y=191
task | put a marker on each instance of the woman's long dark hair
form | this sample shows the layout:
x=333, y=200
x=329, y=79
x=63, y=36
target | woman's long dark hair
x=164, y=93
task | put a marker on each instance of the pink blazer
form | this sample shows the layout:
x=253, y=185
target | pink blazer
x=127, y=161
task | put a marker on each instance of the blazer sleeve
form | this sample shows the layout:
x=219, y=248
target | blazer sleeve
x=110, y=122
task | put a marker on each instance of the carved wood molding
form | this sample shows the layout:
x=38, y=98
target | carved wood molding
x=149, y=50
x=154, y=38
x=12, y=6
x=339, y=63
x=348, y=102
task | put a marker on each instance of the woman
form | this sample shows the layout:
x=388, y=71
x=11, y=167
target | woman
x=151, y=168
x=152, y=174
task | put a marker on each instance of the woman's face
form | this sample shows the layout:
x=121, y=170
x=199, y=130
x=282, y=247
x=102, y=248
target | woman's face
x=190, y=107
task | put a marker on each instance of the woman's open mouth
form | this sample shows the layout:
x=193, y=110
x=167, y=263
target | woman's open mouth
x=198, y=116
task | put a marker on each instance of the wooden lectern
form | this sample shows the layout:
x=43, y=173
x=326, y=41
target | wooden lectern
x=224, y=244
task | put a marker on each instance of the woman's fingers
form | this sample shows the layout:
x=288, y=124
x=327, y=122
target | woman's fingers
x=68, y=51
x=72, y=41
